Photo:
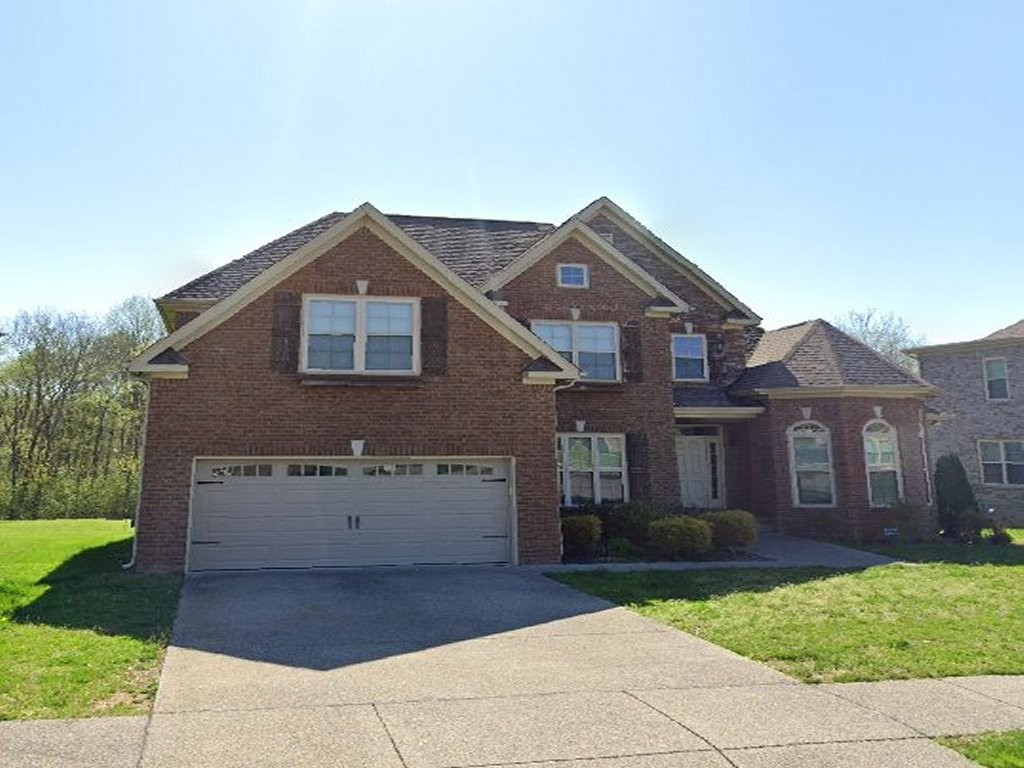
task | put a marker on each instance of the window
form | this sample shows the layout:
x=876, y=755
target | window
x=392, y=470
x=882, y=458
x=689, y=357
x=594, y=347
x=997, y=383
x=243, y=470
x=464, y=469
x=316, y=470
x=810, y=447
x=573, y=276
x=1002, y=461
x=591, y=469
x=361, y=335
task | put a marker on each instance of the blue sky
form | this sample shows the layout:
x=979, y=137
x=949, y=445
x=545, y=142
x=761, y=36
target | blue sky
x=814, y=157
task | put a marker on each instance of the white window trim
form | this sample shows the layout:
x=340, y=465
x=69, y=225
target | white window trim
x=566, y=499
x=986, y=379
x=792, y=466
x=359, y=349
x=897, y=462
x=586, y=275
x=1003, y=462
x=672, y=352
x=573, y=325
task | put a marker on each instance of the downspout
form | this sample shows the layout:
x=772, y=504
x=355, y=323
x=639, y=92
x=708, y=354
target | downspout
x=138, y=495
x=924, y=454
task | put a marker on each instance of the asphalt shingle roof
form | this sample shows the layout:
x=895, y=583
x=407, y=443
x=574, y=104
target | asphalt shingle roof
x=817, y=354
x=1015, y=331
x=474, y=249
x=705, y=396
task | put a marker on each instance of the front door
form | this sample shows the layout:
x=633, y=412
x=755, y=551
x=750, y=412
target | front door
x=699, y=458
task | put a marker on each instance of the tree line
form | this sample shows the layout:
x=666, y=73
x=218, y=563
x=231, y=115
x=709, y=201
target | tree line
x=70, y=415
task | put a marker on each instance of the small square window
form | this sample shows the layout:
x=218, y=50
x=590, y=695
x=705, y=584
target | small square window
x=573, y=276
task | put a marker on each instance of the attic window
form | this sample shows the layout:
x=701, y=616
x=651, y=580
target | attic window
x=573, y=276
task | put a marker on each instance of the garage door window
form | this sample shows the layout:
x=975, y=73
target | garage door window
x=591, y=469
x=393, y=470
x=316, y=470
x=242, y=470
x=360, y=335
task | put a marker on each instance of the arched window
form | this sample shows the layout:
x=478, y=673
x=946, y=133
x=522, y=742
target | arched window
x=810, y=451
x=882, y=459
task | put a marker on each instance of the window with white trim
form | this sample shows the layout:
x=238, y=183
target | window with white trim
x=689, y=357
x=997, y=382
x=573, y=276
x=591, y=468
x=882, y=459
x=594, y=347
x=1002, y=461
x=359, y=334
x=812, y=475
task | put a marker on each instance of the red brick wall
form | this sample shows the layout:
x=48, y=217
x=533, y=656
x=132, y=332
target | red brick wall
x=632, y=406
x=845, y=417
x=232, y=404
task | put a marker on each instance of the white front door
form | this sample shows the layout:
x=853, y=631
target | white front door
x=700, y=470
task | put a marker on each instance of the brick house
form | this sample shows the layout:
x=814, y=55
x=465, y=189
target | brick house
x=374, y=389
x=980, y=414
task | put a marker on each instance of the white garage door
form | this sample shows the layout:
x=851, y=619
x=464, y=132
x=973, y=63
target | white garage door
x=302, y=513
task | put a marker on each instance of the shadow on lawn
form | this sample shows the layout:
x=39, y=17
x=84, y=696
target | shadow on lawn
x=646, y=587
x=90, y=591
x=949, y=551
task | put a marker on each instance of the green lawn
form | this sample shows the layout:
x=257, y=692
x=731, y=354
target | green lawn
x=994, y=750
x=78, y=637
x=893, y=622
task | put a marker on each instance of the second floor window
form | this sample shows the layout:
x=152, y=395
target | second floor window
x=997, y=384
x=689, y=357
x=360, y=335
x=573, y=276
x=593, y=347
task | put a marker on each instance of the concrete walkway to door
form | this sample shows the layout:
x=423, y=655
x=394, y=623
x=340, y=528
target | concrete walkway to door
x=443, y=668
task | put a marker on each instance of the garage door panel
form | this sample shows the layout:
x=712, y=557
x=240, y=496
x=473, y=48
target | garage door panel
x=255, y=514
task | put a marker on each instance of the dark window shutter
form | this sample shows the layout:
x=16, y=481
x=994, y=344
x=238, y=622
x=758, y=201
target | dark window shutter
x=434, y=336
x=284, y=336
x=632, y=353
x=636, y=466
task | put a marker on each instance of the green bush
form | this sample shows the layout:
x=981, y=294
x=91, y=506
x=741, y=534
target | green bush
x=630, y=521
x=954, y=497
x=910, y=520
x=624, y=549
x=680, y=537
x=1000, y=537
x=580, y=536
x=732, y=528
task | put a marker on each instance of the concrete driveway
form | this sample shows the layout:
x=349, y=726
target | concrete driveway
x=444, y=668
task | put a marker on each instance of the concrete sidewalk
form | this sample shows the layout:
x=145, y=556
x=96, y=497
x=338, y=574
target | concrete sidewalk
x=453, y=668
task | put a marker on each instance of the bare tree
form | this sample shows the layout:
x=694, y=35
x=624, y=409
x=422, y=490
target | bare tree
x=888, y=334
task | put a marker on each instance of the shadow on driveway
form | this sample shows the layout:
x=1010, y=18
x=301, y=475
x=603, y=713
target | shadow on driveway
x=328, y=619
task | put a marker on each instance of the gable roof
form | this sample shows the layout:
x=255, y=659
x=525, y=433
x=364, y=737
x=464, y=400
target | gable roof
x=155, y=359
x=655, y=244
x=576, y=229
x=816, y=355
x=1009, y=336
x=474, y=249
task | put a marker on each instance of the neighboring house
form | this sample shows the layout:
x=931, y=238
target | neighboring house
x=980, y=414
x=374, y=389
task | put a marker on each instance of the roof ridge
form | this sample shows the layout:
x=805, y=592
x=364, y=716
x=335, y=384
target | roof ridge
x=811, y=325
x=468, y=219
x=878, y=355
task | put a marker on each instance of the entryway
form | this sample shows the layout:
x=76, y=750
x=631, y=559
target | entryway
x=701, y=465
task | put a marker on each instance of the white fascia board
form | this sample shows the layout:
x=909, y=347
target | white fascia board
x=363, y=216
x=737, y=412
x=669, y=254
x=575, y=228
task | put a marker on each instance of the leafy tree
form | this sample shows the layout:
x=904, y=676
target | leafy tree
x=70, y=416
x=887, y=334
x=959, y=516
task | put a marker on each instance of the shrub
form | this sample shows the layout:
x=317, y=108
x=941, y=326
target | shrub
x=680, y=537
x=624, y=549
x=910, y=520
x=732, y=528
x=630, y=521
x=954, y=497
x=580, y=535
x=1000, y=537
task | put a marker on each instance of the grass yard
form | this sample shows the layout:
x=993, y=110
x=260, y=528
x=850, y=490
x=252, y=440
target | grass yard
x=78, y=637
x=993, y=750
x=900, y=621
